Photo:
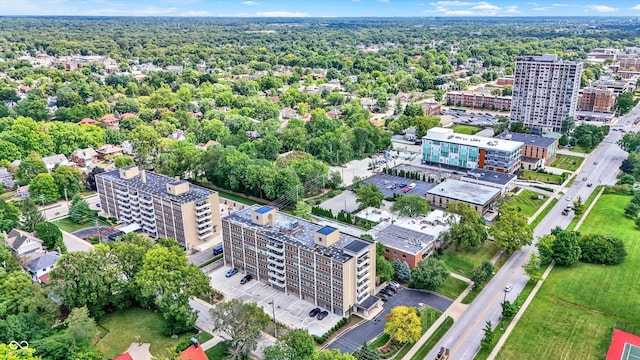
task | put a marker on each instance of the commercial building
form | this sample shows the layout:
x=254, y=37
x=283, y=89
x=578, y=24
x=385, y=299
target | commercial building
x=597, y=99
x=160, y=205
x=545, y=91
x=479, y=197
x=404, y=244
x=444, y=147
x=618, y=87
x=537, y=151
x=503, y=182
x=478, y=100
x=333, y=270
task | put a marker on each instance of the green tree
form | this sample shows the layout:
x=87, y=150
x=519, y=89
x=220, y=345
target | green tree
x=509, y=309
x=429, y=274
x=81, y=327
x=467, y=227
x=79, y=210
x=33, y=107
x=9, y=151
x=364, y=353
x=532, y=268
x=332, y=354
x=50, y=235
x=30, y=167
x=9, y=216
x=303, y=210
x=9, y=353
x=123, y=161
x=384, y=269
x=68, y=179
x=482, y=273
x=411, y=205
x=44, y=185
x=144, y=140
x=599, y=249
x=578, y=206
x=401, y=271
x=567, y=125
x=487, y=339
x=369, y=195
x=296, y=344
x=625, y=102
x=403, y=324
x=631, y=210
x=565, y=248
x=626, y=179
x=244, y=323
x=512, y=230
x=630, y=142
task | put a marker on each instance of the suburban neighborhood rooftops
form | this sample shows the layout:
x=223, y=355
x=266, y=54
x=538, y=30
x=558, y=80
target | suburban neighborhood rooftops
x=528, y=139
x=465, y=192
x=16, y=237
x=156, y=184
x=447, y=135
x=55, y=159
x=300, y=232
x=404, y=239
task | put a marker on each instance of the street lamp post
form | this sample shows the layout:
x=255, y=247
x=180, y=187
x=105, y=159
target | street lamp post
x=66, y=199
x=505, y=296
x=275, y=324
x=44, y=211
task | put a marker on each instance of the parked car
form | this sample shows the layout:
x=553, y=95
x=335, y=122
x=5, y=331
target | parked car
x=323, y=315
x=406, y=190
x=388, y=292
x=392, y=289
x=589, y=185
x=383, y=297
x=246, y=279
x=314, y=312
x=508, y=288
x=395, y=284
x=568, y=198
x=231, y=272
x=584, y=178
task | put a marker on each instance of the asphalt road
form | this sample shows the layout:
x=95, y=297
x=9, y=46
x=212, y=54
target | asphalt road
x=463, y=339
x=370, y=329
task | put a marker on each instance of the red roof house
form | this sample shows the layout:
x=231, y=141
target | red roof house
x=623, y=346
x=193, y=352
x=124, y=356
x=87, y=121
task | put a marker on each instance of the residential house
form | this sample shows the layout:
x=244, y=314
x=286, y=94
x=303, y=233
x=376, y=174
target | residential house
x=193, y=352
x=127, y=147
x=88, y=121
x=25, y=246
x=22, y=192
x=288, y=113
x=6, y=178
x=84, y=157
x=410, y=134
x=334, y=113
x=110, y=121
x=177, y=135
x=55, y=160
x=205, y=146
x=40, y=267
x=253, y=135
x=108, y=151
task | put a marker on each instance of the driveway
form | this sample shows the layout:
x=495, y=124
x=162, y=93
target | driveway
x=345, y=201
x=370, y=329
x=74, y=243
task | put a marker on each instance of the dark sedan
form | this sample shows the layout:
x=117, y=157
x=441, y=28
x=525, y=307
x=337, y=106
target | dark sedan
x=323, y=315
x=314, y=312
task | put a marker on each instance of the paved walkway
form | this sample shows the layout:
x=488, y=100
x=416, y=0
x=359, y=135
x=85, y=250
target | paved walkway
x=531, y=296
x=541, y=209
x=140, y=351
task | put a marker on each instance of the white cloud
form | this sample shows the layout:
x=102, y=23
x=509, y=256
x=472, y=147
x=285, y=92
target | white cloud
x=383, y=1
x=637, y=7
x=511, y=9
x=485, y=6
x=282, y=14
x=452, y=3
x=467, y=8
x=539, y=9
x=195, y=13
x=602, y=8
x=250, y=3
x=459, y=12
x=559, y=5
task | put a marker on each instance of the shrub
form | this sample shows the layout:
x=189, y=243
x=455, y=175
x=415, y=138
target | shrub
x=321, y=339
x=598, y=249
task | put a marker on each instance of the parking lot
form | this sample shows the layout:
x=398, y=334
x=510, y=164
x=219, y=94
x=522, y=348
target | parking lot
x=370, y=329
x=289, y=309
x=476, y=118
x=390, y=185
x=345, y=201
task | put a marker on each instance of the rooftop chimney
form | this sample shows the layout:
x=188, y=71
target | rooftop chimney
x=143, y=176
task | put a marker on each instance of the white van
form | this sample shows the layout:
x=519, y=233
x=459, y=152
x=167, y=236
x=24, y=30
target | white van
x=412, y=186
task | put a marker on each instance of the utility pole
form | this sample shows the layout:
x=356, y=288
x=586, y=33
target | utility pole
x=66, y=199
x=275, y=324
x=44, y=211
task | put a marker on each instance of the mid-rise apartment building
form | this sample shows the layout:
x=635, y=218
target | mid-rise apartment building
x=545, y=91
x=478, y=100
x=535, y=149
x=333, y=270
x=597, y=99
x=444, y=147
x=162, y=206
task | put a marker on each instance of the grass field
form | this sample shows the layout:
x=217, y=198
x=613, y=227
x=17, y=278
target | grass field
x=466, y=129
x=577, y=307
x=69, y=225
x=219, y=351
x=452, y=287
x=587, y=203
x=463, y=261
x=544, y=213
x=546, y=178
x=123, y=327
x=567, y=162
x=528, y=202
x=433, y=339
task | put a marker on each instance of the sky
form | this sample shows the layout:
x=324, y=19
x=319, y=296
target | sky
x=320, y=8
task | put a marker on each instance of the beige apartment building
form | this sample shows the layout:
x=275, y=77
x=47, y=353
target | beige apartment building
x=597, y=99
x=333, y=270
x=162, y=206
x=545, y=92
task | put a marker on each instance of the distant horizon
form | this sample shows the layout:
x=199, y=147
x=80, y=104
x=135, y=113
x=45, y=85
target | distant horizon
x=320, y=9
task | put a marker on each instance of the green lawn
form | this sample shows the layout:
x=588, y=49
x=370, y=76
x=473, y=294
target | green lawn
x=575, y=310
x=546, y=178
x=544, y=213
x=119, y=330
x=587, y=203
x=433, y=339
x=69, y=225
x=580, y=149
x=219, y=351
x=7, y=194
x=466, y=129
x=527, y=201
x=567, y=162
x=464, y=261
x=452, y=287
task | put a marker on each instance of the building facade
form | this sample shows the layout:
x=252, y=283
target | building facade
x=478, y=100
x=444, y=147
x=597, y=99
x=160, y=205
x=534, y=147
x=333, y=270
x=479, y=197
x=545, y=91
x=404, y=244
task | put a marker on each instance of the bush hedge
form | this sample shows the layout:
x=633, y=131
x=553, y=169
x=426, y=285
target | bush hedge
x=321, y=339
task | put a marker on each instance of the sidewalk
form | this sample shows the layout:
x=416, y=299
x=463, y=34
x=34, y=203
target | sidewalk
x=524, y=306
x=541, y=209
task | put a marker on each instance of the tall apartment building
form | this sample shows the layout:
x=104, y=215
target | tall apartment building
x=333, y=270
x=162, y=206
x=597, y=99
x=443, y=146
x=545, y=91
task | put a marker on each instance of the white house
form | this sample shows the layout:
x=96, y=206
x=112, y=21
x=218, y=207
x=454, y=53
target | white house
x=24, y=245
x=40, y=267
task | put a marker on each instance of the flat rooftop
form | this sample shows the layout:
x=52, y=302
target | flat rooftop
x=527, y=139
x=431, y=224
x=447, y=135
x=297, y=231
x=156, y=184
x=465, y=191
x=493, y=177
x=403, y=239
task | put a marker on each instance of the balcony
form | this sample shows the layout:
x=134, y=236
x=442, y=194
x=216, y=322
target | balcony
x=205, y=230
x=205, y=235
x=362, y=270
x=276, y=268
x=274, y=260
x=205, y=223
x=276, y=282
x=276, y=249
x=276, y=276
x=203, y=206
x=120, y=191
x=146, y=210
x=206, y=211
x=147, y=201
x=363, y=259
